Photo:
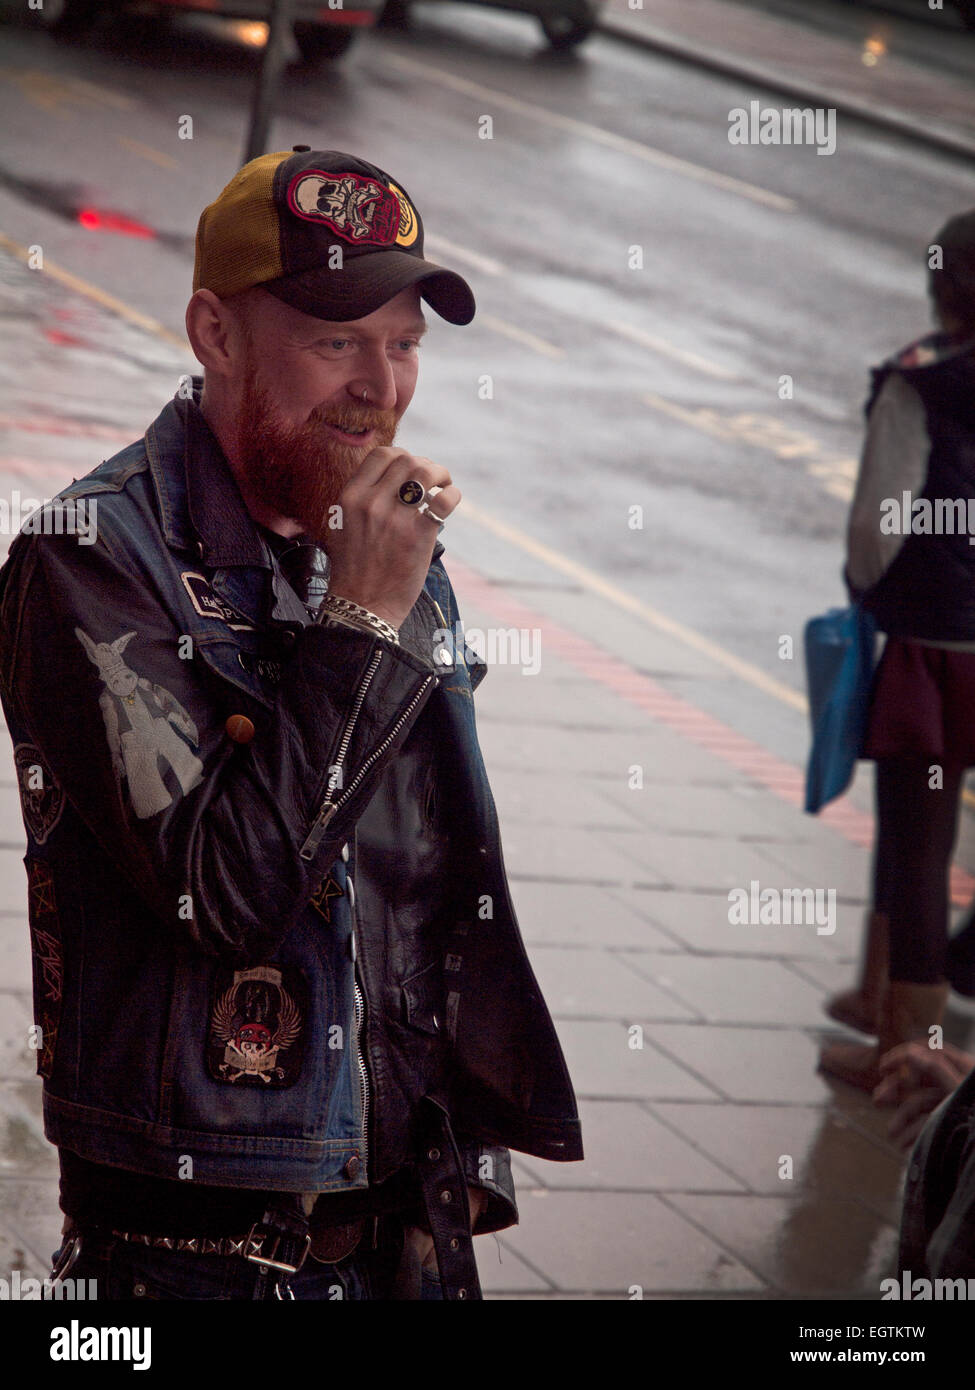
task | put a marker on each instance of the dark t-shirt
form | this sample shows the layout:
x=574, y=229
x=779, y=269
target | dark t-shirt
x=96, y=1195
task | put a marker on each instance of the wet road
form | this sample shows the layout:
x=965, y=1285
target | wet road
x=643, y=285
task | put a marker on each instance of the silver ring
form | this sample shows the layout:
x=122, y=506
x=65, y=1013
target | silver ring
x=424, y=507
x=411, y=493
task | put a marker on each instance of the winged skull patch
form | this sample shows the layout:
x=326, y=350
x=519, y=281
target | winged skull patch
x=256, y=1025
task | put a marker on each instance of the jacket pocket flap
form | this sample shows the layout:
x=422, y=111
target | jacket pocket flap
x=423, y=999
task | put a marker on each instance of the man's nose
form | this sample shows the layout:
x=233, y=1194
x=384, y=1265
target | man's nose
x=377, y=381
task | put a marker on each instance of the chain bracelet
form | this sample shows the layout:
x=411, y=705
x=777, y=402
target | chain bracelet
x=356, y=616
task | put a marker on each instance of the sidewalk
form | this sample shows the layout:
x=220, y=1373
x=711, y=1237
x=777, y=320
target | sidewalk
x=691, y=1042
x=816, y=68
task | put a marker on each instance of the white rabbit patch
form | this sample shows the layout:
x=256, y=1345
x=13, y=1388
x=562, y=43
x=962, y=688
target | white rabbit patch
x=141, y=721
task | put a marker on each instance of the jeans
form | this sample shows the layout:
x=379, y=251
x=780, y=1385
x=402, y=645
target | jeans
x=124, y=1271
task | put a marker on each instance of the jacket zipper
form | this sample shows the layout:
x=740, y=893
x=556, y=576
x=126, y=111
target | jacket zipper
x=359, y=1019
x=329, y=807
x=359, y=1014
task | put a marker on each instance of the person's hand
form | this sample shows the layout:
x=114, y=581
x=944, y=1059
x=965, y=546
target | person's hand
x=422, y=1240
x=916, y=1079
x=381, y=553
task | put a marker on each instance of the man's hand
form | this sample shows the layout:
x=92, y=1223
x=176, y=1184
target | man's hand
x=380, y=555
x=916, y=1079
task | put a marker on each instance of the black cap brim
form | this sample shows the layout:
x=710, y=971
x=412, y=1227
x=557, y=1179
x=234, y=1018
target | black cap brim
x=366, y=283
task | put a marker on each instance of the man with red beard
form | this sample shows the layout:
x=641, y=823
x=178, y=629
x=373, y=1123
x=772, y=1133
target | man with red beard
x=287, y=1028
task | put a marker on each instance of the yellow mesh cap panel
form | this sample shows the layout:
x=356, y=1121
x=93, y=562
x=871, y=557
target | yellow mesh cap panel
x=237, y=238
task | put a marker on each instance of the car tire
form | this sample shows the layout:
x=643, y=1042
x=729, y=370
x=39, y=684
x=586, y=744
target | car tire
x=570, y=28
x=318, y=41
x=75, y=17
x=395, y=14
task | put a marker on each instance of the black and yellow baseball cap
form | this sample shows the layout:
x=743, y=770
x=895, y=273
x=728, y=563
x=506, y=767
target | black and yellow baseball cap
x=327, y=233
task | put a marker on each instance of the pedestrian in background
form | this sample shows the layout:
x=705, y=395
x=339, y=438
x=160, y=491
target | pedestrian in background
x=920, y=587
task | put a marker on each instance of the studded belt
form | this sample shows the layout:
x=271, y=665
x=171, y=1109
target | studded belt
x=273, y=1248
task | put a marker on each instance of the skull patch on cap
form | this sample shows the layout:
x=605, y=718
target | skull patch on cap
x=357, y=208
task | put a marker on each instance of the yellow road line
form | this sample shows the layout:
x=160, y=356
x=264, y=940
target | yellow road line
x=102, y=297
x=165, y=161
x=596, y=584
x=440, y=246
x=50, y=92
x=666, y=349
x=635, y=148
x=834, y=473
x=521, y=335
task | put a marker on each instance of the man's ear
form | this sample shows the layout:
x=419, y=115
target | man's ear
x=216, y=333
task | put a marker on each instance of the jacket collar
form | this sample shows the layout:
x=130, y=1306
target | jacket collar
x=199, y=501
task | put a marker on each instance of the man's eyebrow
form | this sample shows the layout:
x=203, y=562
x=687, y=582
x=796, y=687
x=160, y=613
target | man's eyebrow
x=418, y=329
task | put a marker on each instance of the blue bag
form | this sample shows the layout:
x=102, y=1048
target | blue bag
x=839, y=670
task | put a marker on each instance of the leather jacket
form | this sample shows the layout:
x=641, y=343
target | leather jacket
x=210, y=992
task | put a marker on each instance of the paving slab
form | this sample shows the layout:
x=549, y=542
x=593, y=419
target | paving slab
x=734, y=989
x=570, y=914
x=700, y=861
x=15, y=958
x=602, y=1063
x=30, y=1227
x=595, y=984
x=699, y=922
x=568, y=854
x=823, y=1151
x=662, y=756
x=502, y=1271
x=629, y=1149
x=814, y=1245
x=760, y=1064
x=558, y=798
x=738, y=810
x=609, y=1242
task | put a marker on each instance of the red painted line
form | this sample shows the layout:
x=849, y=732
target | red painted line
x=23, y=424
x=758, y=764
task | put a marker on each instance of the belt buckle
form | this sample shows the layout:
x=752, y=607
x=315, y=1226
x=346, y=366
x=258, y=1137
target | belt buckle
x=276, y=1239
x=69, y=1254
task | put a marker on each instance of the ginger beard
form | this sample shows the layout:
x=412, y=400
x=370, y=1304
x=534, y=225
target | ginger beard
x=299, y=472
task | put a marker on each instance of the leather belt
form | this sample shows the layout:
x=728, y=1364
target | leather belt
x=328, y=1244
x=273, y=1243
x=444, y=1184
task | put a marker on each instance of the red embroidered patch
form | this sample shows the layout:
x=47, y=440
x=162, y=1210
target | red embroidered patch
x=357, y=208
x=257, y=1024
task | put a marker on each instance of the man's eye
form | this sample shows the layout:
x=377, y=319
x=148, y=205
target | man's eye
x=409, y=343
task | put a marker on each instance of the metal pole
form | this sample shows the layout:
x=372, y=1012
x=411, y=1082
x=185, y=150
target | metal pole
x=267, y=83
